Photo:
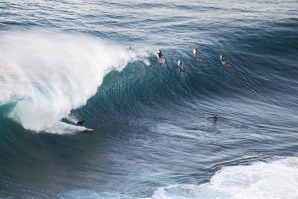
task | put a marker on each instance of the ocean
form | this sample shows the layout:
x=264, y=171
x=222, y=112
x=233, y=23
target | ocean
x=155, y=135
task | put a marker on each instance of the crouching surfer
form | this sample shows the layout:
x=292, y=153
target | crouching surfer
x=80, y=123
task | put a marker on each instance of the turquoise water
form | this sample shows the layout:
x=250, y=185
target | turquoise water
x=154, y=132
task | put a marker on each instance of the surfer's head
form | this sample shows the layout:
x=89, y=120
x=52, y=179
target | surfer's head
x=214, y=115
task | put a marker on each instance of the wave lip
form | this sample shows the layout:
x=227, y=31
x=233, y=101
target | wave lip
x=47, y=74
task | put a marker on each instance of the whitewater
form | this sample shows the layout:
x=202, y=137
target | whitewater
x=46, y=75
x=154, y=134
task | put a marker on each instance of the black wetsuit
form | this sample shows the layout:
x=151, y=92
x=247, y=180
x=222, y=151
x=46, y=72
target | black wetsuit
x=80, y=123
x=159, y=54
x=180, y=66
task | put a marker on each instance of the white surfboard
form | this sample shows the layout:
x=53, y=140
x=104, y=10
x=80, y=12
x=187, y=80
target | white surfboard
x=86, y=129
x=82, y=128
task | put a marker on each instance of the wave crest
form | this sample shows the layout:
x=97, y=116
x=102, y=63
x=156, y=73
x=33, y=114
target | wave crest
x=50, y=73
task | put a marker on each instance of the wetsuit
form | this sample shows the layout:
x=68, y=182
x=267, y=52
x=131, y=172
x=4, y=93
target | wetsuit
x=80, y=123
x=180, y=68
x=159, y=54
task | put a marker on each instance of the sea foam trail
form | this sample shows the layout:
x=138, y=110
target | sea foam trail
x=47, y=74
x=275, y=179
x=261, y=180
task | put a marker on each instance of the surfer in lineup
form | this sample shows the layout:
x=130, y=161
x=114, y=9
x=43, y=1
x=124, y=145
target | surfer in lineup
x=158, y=52
x=196, y=54
x=180, y=67
x=160, y=56
x=224, y=61
x=222, y=58
x=80, y=123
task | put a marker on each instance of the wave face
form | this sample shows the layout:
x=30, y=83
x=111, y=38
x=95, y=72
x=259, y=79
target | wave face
x=46, y=74
x=154, y=132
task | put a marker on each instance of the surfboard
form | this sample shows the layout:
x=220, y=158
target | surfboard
x=86, y=129
x=181, y=72
x=162, y=60
x=82, y=128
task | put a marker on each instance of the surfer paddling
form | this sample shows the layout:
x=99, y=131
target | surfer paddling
x=224, y=61
x=180, y=68
x=196, y=54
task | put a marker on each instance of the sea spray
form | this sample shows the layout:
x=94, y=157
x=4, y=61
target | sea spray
x=49, y=73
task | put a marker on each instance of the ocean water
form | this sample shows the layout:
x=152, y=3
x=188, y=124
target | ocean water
x=154, y=133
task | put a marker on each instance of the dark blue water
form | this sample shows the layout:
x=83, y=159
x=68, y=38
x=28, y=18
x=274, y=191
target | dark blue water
x=154, y=133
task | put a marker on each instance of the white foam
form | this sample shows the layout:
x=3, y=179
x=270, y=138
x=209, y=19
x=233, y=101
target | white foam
x=276, y=179
x=90, y=194
x=260, y=180
x=63, y=128
x=49, y=73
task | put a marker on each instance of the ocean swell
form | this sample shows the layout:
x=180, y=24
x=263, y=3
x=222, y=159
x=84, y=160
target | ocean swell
x=47, y=73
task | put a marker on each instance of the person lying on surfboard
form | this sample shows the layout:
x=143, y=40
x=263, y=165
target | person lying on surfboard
x=222, y=58
x=80, y=123
x=224, y=61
